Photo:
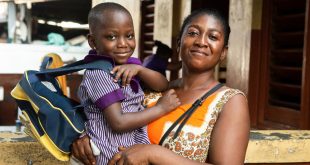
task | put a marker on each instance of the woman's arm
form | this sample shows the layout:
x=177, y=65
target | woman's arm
x=124, y=122
x=149, y=154
x=152, y=79
x=230, y=134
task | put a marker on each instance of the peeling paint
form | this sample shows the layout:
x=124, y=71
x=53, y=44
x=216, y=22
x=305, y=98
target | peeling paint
x=281, y=135
x=278, y=146
x=256, y=136
x=272, y=136
x=23, y=139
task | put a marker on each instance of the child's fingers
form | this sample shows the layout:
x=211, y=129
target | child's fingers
x=124, y=77
x=118, y=74
x=169, y=92
x=121, y=148
x=129, y=77
x=115, y=69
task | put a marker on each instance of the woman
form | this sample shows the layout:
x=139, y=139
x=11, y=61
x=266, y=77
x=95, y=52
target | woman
x=218, y=131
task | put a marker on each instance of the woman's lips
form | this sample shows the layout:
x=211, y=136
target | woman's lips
x=198, y=52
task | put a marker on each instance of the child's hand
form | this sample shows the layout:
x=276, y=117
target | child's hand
x=126, y=72
x=168, y=102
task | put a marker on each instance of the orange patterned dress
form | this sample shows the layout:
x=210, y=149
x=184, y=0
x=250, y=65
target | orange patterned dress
x=193, y=140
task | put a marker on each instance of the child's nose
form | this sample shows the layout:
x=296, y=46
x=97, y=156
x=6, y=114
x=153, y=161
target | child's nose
x=121, y=42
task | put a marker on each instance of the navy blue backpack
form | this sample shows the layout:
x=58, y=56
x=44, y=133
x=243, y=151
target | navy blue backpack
x=49, y=116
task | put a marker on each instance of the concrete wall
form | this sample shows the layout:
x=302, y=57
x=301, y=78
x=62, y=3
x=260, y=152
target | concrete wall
x=265, y=146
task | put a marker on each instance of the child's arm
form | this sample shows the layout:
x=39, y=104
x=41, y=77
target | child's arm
x=124, y=122
x=151, y=78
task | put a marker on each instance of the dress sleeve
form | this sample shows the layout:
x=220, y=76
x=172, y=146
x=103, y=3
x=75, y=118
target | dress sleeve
x=101, y=88
x=228, y=95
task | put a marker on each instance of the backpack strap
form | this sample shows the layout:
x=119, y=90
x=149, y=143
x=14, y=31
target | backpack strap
x=46, y=62
x=74, y=67
x=185, y=116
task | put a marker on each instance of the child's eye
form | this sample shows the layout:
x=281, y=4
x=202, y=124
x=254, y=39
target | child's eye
x=111, y=37
x=131, y=36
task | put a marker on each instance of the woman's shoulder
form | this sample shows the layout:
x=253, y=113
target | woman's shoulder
x=226, y=94
x=227, y=91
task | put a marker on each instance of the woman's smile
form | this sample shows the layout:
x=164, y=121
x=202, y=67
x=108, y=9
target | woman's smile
x=198, y=52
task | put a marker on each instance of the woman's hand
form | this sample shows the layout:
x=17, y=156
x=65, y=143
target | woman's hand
x=81, y=150
x=136, y=154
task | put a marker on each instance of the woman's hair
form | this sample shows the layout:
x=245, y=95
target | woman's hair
x=99, y=11
x=212, y=12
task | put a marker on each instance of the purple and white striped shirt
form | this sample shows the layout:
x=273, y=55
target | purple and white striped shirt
x=98, y=91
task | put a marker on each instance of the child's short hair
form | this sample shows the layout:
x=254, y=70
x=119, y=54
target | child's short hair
x=163, y=50
x=95, y=14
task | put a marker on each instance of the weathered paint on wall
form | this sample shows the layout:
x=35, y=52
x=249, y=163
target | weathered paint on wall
x=278, y=146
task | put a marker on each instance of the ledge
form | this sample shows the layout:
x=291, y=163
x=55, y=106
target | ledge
x=265, y=146
x=278, y=146
x=19, y=148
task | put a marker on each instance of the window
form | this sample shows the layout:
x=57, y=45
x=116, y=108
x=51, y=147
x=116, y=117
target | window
x=283, y=100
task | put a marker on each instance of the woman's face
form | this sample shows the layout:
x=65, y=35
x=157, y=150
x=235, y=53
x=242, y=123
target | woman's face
x=115, y=37
x=202, y=43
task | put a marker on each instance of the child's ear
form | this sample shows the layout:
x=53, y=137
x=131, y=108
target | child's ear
x=91, y=41
x=224, y=53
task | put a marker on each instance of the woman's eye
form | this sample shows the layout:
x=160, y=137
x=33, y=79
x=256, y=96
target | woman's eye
x=213, y=38
x=192, y=33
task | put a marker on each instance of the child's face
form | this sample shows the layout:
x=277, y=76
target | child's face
x=114, y=36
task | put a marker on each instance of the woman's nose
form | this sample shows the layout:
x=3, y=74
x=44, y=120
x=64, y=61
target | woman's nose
x=201, y=41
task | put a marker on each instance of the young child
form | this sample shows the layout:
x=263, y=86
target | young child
x=115, y=115
x=160, y=60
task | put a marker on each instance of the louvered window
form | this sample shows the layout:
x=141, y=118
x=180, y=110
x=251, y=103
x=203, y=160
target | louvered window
x=147, y=28
x=286, y=54
x=284, y=79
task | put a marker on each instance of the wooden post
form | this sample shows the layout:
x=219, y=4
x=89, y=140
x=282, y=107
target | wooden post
x=240, y=20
